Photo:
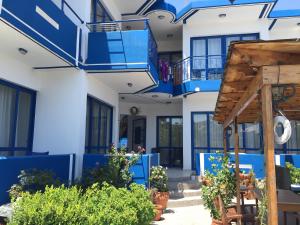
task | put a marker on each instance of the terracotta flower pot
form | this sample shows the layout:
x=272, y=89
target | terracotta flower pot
x=158, y=212
x=161, y=198
x=216, y=222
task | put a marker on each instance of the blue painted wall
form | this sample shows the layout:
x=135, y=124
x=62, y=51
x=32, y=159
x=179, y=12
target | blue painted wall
x=140, y=170
x=256, y=160
x=118, y=47
x=64, y=37
x=10, y=168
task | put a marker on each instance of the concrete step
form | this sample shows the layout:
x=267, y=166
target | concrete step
x=184, y=202
x=185, y=185
x=185, y=193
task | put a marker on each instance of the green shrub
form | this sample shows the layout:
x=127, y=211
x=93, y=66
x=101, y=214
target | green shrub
x=116, y=173
x=106, y=206
x=294, y=173
x=33, y=180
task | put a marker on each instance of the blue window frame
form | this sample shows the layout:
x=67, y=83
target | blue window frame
x=98, y=137
x=208, y=55
x=99, y=13
x=17, y=110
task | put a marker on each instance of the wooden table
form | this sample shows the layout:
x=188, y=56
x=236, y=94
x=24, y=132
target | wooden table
x=287, y=201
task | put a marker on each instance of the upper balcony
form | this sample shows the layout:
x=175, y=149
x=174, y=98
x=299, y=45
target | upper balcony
x=198, y=73
x=47, y=24
x=124, y=47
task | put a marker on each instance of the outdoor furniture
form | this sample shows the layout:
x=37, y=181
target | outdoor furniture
x=283, y=178
x=287, y=202
x=230, y=214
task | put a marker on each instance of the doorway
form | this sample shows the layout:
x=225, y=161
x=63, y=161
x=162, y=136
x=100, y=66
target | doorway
x=133, y=132
x=170, y=140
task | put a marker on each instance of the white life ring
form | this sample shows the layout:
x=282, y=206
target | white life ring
x=287, y=130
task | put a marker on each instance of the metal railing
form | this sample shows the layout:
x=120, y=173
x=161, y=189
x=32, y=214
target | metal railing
x=129, y=25
x=209, y=67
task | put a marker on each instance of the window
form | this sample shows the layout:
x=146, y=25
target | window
x=166, y=61
x=98, y=135
x=99, y=13
x=209, y=55
x=17, y=107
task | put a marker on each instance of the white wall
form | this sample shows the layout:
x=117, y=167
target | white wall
x=60, y=115
x=194, y=103
x=151, y=111
x=169, y=46
x=202, y=29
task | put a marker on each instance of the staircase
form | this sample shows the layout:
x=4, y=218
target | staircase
x=183, y=191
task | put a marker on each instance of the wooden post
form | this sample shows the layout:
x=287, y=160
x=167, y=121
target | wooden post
x=224, y=141
x=267, y=114
x=237, y=168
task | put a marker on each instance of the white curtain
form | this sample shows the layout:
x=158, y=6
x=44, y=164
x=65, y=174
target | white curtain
x=23, y=120
x=200, y=130
x=229, y=40
x=252, y=136
x=214, y=53
x=199, y=53
x=7, y=105
x=216, y=133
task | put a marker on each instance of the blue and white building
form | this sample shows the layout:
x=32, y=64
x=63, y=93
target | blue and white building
x=76, y=76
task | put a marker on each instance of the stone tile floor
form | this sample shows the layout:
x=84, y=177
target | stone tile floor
x=192, y=215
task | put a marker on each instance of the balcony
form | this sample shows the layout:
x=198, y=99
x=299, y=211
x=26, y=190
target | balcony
x=46, y=24
x=125, y=48
x=198, y=73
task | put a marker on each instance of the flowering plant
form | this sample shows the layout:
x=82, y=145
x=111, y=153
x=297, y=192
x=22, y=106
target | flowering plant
x=159, y=179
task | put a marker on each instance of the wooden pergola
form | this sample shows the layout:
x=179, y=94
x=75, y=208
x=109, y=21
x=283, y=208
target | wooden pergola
x=254, y=72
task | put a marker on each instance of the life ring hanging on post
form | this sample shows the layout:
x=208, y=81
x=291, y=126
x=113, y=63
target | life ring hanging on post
x=287, y=130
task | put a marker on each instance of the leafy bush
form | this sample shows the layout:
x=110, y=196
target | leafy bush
x=116, y=173
x=294, y=173
x=221, y=183
x=106, y=206
x=158, y=179
x=33, y=180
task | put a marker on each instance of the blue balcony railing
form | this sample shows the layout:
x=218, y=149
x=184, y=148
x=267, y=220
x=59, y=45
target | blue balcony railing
x=209, y=67
x=125, y=44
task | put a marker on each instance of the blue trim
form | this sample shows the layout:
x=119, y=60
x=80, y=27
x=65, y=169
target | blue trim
x=284, y=13
x=18, y=89
x=263, y=11
x=272, y=24
x=189, y=16
x=89, y=146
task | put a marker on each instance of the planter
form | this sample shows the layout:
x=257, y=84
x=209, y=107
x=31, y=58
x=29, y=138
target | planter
x=216, y=222
x=161, y=198
x=158, y=212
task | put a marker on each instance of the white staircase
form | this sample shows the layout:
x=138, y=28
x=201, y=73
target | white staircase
x=184, y=192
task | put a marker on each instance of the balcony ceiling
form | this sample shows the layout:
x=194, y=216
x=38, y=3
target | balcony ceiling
x=139, y=80
x=11, y=40
x=150, y=98
x=132, y=6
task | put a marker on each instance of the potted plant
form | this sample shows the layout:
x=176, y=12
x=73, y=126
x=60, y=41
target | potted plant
x=158, y=212
x=158, y=184
x=221, y=184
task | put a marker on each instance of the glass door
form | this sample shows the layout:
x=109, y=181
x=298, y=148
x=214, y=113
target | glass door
x=169, y=141
x=138, y=133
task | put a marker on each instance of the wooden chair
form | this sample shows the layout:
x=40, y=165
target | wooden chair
x=230, y=214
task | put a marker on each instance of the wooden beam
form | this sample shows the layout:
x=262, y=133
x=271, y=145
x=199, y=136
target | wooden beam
x=258, y=57
x=286, y=74
x=246, y=99
x=267, y=111
x=237, y=169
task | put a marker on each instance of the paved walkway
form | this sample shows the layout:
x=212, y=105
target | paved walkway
x=193, y=215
